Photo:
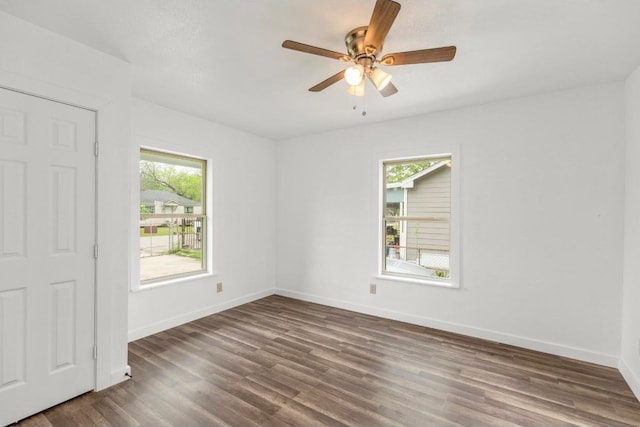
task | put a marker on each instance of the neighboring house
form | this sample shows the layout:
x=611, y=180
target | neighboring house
x=165, y=202
x=160, y=203
x=426, y=194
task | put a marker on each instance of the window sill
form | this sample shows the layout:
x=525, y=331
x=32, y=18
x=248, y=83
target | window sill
x=417, y=281
x=177, y=280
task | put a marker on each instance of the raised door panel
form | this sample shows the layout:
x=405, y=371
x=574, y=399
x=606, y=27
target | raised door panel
x=12, y=338
x=63, y=325
x=63, y=209
x=12, y=126
x=64, y=135
x=12, y=209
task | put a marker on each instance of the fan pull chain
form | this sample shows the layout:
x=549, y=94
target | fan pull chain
x=364, y=104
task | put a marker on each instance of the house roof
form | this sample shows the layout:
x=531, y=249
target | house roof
x=408, y=182
x=166, y=197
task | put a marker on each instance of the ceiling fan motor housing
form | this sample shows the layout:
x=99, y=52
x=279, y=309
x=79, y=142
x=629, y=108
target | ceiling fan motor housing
x=354, y=40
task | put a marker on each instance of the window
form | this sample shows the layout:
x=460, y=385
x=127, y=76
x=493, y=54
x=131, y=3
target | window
x=172, y=216
x=416, y=218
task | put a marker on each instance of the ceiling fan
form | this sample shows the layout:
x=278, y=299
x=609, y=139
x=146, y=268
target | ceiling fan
x=364, y=47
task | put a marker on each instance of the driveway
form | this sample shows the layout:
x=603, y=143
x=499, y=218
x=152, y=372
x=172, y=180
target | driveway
x=152, y=267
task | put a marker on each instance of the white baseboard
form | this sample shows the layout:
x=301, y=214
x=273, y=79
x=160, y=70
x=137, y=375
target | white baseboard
x=532, y=344
x=120, y=375
x=194, y=315
x=630, y=378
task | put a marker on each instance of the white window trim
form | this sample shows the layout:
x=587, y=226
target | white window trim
x=174, y=280
x=454, y=280
x=136, y=285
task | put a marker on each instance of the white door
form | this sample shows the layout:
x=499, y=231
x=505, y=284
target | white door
x=47, y=266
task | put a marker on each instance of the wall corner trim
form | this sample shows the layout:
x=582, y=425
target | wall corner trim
x=120, y=375
x=629, y=376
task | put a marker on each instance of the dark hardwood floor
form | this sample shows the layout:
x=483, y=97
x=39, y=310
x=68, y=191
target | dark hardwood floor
x=283, y=362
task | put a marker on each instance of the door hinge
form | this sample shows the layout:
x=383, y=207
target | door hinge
x=95, y=251
x=95, y=352
x=96, y=148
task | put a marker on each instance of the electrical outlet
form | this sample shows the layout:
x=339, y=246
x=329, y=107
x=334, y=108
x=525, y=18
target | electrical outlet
x=372, y=288
x=219, y=287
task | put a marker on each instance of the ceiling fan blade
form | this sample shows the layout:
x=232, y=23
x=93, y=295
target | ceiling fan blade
x=388, y=90
x=328, y=82
x=439, y=54
x=384, y=13
x=301, y=47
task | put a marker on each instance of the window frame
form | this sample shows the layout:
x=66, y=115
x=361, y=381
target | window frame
x=204, y=217
x=454, y=222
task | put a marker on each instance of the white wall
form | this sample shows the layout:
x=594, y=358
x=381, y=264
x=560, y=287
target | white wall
x=37, y=61
x=541, y=220
x=542, y=191
x=243, y=191
x=630, y=357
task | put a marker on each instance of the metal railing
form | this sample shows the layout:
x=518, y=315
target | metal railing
x=162, y=235
x=435, y=259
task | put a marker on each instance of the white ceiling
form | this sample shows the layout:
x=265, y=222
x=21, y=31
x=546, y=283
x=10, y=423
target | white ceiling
x=222, y=60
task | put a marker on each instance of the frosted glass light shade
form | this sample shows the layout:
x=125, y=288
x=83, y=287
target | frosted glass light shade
x=357, y=90
x=380, y=78
x=353, y=75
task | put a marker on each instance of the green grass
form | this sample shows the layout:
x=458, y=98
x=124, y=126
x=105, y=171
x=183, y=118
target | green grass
x=162, y=231
x=188, y=253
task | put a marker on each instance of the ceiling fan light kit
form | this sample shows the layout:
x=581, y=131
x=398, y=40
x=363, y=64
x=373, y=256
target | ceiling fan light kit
x=357, y=90
x=380, y=78
x=354, y=74
x=364, y=46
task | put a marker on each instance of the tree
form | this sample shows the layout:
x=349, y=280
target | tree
x=401, y=171
x=183, y=181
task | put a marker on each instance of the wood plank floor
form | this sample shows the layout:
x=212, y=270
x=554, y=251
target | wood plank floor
x=283, y=362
